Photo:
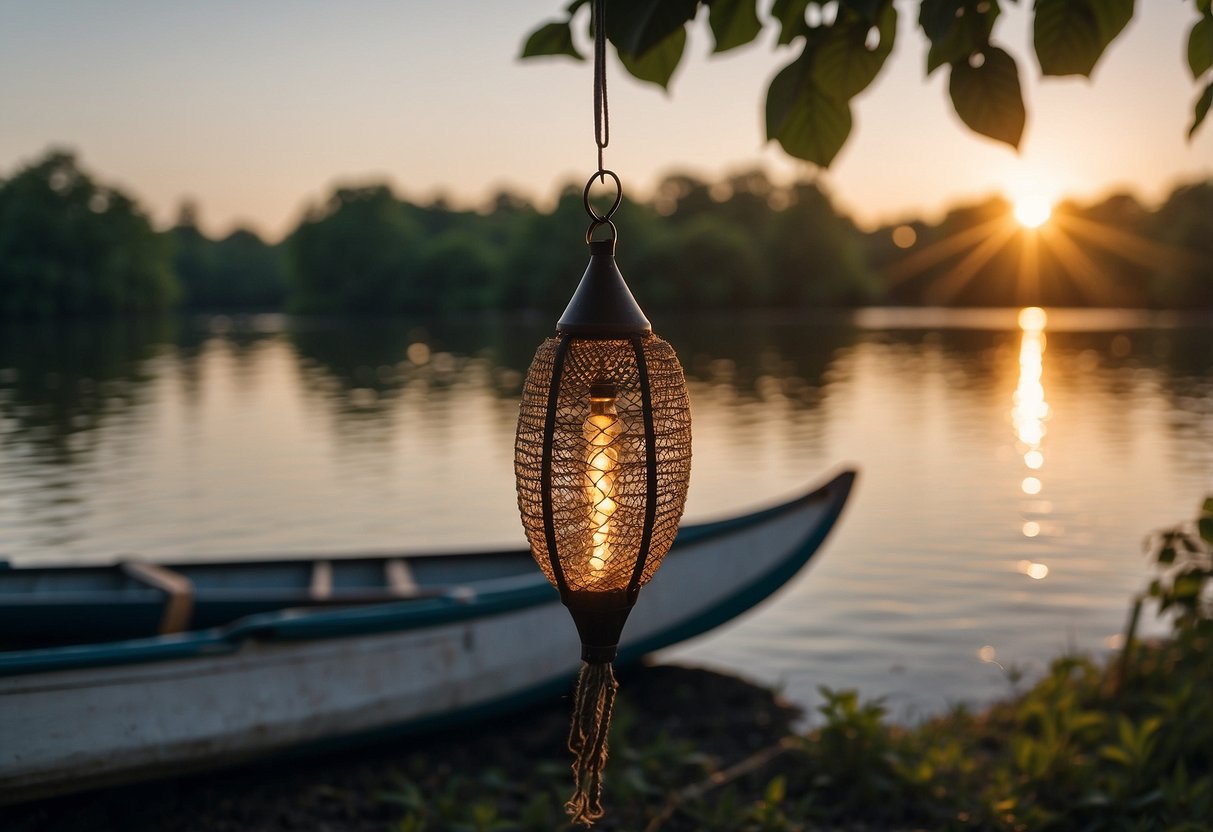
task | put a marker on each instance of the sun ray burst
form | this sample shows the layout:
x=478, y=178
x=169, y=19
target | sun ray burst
x=1082, y=270
x=952, y=282
x=940, y=250
x=1126, y=244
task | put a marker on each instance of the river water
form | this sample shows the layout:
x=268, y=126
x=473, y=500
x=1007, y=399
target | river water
x=1010, y=464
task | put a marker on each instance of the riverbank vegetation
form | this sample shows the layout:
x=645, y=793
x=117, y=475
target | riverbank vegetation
x=70, y=246
x=1120, y=743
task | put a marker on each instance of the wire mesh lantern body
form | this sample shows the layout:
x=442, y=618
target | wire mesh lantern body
x=603, y=461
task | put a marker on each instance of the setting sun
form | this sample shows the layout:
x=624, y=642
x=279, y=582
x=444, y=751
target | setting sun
x=1032, y=211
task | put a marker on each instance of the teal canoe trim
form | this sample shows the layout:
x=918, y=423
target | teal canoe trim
x=481, y=599
x=157, y=649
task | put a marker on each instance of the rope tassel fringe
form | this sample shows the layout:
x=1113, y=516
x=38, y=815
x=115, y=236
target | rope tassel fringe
x=593, y=704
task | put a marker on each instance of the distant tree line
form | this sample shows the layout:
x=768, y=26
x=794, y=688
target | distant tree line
x=72, y=247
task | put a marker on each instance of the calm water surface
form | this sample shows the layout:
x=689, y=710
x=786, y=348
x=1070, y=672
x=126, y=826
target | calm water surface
x=1010, y=466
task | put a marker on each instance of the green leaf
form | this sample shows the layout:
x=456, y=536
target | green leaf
x=776, y=790
x=968, y=34
x=843, y=64
x=807, y=123
x=870, y=9
x=1116, y=754
x=551, y=39
x=1206, y=529
x=657, y=65
x=1187, y=586
x=1112, y=16
x=937, y=17
x=790, y=14
x=988, y=97
x=734, y=23
x=1071, y=35
x=1201, y=110
x=1200, y=46
x=636, y=26
x=1207, y=506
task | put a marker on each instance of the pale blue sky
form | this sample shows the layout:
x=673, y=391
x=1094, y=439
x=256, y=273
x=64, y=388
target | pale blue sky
x=254, y=109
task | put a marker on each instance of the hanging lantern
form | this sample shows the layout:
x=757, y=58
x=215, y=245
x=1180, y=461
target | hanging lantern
x=603, y=460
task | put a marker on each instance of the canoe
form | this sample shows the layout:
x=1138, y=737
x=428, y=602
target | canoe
x=282, y=656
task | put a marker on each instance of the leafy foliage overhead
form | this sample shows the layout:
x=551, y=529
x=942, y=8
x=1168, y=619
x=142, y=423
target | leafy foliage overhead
x=844, y=44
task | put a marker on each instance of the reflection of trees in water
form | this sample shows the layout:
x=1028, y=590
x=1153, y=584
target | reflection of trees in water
x=743, y=352
x=62, y=390
x=365, y=365
x=365, y=371
x=1137, y=366
x=60, y=382
x=240, y=339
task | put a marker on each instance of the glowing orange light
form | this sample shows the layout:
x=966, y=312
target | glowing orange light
x=1032, y=210
x=602, y=428
x=904, y=236
x=1035, y=571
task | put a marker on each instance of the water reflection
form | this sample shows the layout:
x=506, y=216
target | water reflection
x=1031, y=410
x=59, y=384
x=1029, y=413
x=229, y=437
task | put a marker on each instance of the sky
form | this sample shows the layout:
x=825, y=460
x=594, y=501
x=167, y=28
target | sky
x=256, y=110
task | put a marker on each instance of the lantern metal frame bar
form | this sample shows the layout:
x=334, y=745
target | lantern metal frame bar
x=650, y=454
x=545, y=471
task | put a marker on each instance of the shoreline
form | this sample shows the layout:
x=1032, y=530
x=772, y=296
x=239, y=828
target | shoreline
x=372, y=787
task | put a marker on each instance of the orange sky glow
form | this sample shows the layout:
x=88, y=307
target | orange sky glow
x=256, y=110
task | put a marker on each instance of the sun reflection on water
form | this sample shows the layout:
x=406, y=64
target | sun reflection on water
x=1029, y=413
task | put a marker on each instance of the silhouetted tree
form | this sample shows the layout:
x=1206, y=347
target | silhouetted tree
x=1184, y=224
x=241, y=271
x=70, y=246
x=193, y=256
x=357, y=253
x=816, y=257
x=461, y=271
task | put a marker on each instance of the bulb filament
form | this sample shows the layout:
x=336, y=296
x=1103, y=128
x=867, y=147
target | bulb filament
x=602, y=428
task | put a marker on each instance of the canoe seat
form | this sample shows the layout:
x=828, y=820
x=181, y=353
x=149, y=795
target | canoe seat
x=178, y=591
x=399, y=577
x=321, y=587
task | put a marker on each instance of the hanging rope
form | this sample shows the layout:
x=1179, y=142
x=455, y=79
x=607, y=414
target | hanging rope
x=593, y=704
x=602, y=120
x=602, y=125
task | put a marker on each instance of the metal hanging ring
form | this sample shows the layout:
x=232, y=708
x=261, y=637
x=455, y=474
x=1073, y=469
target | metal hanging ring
x=595, y=225
x=585, y=197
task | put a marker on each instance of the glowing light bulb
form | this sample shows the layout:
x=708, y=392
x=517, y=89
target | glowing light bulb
x=602, y=428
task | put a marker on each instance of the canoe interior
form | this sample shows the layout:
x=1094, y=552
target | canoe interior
x=79, y=605
x=57, y=606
